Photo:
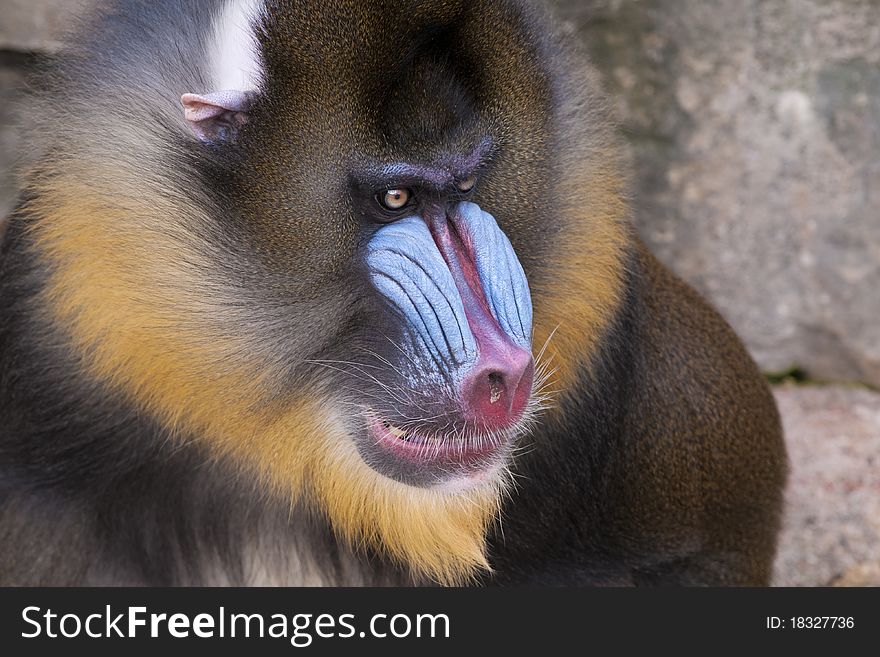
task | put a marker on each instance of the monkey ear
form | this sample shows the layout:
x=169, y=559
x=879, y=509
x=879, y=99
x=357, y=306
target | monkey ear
x=216, y=117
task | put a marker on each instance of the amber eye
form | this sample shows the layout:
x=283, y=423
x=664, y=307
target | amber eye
x=466, y=184
x=395, y=199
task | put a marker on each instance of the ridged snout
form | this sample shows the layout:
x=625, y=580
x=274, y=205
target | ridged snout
x=455, y=280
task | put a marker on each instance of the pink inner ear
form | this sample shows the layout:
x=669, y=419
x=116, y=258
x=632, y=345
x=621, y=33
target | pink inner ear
x=207, y=113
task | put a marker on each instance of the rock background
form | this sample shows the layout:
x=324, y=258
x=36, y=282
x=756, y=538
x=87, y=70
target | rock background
x=755, y=126
x=34, y=25
x=755, y=132
x=831, y=527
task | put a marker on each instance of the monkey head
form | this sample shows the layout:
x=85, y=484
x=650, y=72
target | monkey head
x=335, y=264
x=370, y=190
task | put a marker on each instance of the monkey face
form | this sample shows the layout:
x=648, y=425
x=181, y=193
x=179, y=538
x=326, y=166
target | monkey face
x=448, y=370
x=383, y=200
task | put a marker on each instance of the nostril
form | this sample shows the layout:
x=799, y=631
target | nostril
x=496, y=386
x=495, y=395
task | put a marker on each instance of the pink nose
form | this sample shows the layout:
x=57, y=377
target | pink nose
x=496, y=390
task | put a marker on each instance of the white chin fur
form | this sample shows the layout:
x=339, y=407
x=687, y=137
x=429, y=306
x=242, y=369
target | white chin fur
x=494, y=475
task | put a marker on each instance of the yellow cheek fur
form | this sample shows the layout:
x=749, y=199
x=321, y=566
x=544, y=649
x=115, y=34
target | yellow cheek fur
x=576, y=307
x=144, y=320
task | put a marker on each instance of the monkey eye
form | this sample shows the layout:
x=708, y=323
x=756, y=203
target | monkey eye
x=395, y=199
x=466, y=184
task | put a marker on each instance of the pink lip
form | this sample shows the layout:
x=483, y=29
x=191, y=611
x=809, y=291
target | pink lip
x=421, y=450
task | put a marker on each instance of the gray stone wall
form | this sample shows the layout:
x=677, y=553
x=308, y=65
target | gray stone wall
x=755, y=127
x=34, y=25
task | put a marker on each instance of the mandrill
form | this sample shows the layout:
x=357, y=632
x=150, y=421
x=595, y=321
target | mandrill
x=344, y=293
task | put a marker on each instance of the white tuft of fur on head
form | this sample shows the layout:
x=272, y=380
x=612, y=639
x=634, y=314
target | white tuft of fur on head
x=233, y=53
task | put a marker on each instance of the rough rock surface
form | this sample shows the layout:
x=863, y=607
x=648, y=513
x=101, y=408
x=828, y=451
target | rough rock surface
x=831, y=527
x=29, y=25
x=755, y=128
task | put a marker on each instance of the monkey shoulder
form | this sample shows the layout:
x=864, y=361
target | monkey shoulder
x=699, y=466
x=693, y=375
